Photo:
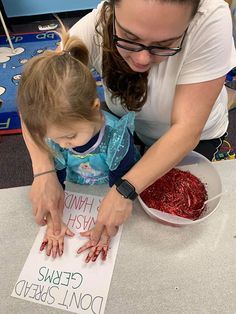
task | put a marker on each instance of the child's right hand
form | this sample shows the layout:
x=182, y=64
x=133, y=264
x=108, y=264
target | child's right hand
x=54, y=245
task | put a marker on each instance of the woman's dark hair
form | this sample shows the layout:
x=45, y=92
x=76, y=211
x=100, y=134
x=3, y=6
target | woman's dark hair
x=123, y=83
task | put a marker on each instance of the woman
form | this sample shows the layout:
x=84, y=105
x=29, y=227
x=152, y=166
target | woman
x=166, y=60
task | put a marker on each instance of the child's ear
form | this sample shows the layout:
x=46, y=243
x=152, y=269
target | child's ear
x=96, y=104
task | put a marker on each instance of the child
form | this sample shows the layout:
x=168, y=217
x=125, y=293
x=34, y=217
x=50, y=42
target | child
x=59, y=106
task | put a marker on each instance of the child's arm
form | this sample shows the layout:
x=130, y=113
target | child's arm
x=54, y=245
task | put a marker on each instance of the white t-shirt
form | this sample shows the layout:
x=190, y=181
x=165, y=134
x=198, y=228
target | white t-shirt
x=208, y=53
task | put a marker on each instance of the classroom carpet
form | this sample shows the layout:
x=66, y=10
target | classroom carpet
x=11, y=64
x=26, y=46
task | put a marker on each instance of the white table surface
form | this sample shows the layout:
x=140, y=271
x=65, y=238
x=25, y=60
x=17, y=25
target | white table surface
x=159, y=268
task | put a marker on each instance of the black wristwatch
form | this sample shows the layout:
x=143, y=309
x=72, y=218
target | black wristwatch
x=126, y=189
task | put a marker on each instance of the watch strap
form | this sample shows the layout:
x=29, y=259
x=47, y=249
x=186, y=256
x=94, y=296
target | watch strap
x=132, y=194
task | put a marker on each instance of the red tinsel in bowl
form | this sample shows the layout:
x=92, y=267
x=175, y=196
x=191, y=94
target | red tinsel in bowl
x=178, y=193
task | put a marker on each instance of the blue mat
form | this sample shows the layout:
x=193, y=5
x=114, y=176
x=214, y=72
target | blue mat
x=26, y=46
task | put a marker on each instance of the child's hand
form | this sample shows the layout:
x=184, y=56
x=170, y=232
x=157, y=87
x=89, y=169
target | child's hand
x=100, y=248
x=54, y=245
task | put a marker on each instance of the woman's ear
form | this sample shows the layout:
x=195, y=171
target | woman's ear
x=96, y=104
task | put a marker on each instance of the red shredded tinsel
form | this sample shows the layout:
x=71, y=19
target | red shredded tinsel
x=178, y=193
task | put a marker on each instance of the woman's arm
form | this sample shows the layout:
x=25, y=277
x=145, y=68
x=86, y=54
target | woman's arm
x=46, y=193
x=192, y=107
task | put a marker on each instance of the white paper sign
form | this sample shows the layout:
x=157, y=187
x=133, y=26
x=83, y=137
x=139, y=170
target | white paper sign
x=67, y=282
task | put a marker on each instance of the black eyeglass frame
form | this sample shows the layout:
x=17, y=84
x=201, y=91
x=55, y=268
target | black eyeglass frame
x=116, y=39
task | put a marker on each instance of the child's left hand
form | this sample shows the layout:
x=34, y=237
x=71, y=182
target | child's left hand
x=101, y=248
x=54, y=245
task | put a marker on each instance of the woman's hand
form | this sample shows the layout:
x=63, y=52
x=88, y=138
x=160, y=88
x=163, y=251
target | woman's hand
x=46, y=193
x=47, y=196
x=113, y=212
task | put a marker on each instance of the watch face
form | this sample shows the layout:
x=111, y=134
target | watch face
x=125, y=189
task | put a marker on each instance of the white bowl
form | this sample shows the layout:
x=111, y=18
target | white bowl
x=203, y=169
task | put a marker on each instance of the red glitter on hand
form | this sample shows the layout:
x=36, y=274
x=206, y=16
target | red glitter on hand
x=178, y=193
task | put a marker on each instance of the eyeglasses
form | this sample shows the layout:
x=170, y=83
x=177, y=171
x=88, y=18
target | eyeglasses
x=136, y=47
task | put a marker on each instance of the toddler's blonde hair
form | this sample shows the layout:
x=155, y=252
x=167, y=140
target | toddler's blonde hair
x=57, y=88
